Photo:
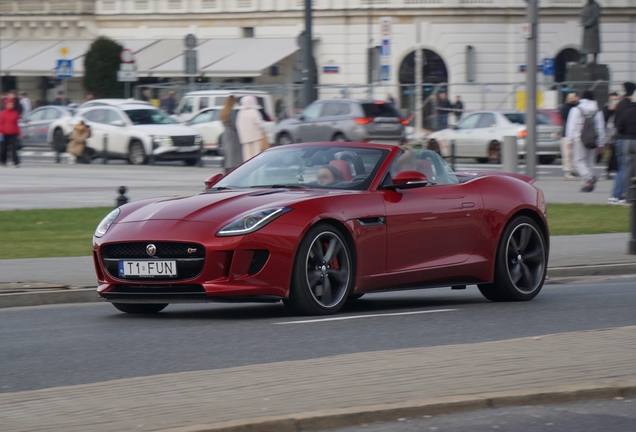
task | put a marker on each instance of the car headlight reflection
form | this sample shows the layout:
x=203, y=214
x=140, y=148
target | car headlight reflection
x=105, y=224
x=252, y=222
x=198, y=140
x=162, y=140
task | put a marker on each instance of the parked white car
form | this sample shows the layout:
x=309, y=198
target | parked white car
x=208, y=123
x=137, y=132
x=194, y=102
x=480, y=135
x=61, y=128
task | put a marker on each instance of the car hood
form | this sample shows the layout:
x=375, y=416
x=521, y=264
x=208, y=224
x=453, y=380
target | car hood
x=218, y=206
x=168, y=129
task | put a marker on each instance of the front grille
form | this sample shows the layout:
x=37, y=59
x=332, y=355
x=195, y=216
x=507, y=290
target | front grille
x=189, y=257
x=183, y=141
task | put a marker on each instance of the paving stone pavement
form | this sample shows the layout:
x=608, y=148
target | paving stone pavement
x=310, y=388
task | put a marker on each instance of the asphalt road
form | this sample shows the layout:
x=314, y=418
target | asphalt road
x=591, y=416
x=50, y=346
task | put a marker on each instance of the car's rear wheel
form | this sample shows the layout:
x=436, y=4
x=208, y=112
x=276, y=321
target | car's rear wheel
x=137, y=153
x=140, y=308
x=546, y=160
x=521, y=263
x=191, y=161
x=323, y=272
x=59, y=141
x=339, y=138
x=494, y=152
x=284, y=139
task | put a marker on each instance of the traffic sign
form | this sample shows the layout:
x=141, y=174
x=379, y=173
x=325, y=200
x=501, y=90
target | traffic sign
x=385, y=73
x=190, y=41
x=548, y=66
x=126, y=56
x=64, y=69
x=124, y=76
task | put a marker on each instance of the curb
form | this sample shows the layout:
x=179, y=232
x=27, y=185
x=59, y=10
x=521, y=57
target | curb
x=49, y=297
x=592, y=270
x=344, y=417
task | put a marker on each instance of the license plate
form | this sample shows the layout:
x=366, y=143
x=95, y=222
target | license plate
x=147, y=268
x=387, y=125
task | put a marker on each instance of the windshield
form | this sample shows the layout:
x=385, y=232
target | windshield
x=331, y=167
x=148, y=117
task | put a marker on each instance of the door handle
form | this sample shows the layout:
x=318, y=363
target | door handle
x=468, y=205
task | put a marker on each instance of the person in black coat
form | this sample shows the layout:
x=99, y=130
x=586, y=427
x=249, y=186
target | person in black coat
x=610, y=132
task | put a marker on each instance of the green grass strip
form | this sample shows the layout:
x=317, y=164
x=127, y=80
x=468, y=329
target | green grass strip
x=69, y=232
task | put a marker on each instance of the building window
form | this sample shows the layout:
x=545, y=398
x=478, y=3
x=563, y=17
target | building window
x=141, y=5
x=248, y=32
x=108, y=5
x=208, y=4
x=244, y=4
x=174, y=4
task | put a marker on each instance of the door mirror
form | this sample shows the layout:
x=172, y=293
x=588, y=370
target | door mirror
x=211, y=181
x=408, y=180
x=455, y=127
x=117, y=123
x=300, y=117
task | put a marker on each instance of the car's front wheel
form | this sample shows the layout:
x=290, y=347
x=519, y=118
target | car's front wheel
x=140, y=308
x=323, y=272
x=137, y=153
x=284, y=139
x=520, y=264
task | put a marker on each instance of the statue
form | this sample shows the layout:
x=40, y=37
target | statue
x=591, y=36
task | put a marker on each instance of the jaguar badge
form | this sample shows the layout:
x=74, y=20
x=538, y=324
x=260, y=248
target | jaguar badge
x=151, y=249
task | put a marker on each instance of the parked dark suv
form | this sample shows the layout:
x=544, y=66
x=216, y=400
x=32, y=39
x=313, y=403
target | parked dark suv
x=344, y=120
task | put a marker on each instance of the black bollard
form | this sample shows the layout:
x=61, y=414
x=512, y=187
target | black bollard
x=105, y=160
x=631, y=198
x=121, y=199
x=453, y=155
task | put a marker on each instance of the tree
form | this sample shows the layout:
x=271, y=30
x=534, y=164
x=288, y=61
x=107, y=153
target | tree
x=101, y=64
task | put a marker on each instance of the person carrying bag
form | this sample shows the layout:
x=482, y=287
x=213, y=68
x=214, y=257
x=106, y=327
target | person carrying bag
x=77, y=145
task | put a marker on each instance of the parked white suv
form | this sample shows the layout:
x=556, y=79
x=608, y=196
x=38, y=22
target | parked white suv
x=193, y=102
x=137, y=131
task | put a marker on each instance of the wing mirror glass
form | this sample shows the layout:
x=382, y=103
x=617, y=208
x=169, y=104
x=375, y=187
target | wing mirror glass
x=117, y=123
x=408, y=180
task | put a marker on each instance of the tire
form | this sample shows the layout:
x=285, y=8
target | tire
x=339, y=138
x=434, y=145
x=546, y=160
x=140, y=308
x=520, y=268
x=354, y=297
x=191, y=161
x=494, y=152
x=137, y=154
x=284, y=139
x=59, y=141
x=323, y=273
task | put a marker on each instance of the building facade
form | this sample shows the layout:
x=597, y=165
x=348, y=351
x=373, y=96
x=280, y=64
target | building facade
x=476, y=46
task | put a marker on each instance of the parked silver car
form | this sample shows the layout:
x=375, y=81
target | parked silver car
x=344, y=120
x=36, y=126
x=480, y=135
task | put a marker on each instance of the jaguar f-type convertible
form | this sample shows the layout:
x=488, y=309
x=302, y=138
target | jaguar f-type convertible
x=318, y=224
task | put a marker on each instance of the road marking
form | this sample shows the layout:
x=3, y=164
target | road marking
x=366, y=316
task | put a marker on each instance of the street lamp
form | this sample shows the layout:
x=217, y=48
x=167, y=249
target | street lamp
x=532, y=21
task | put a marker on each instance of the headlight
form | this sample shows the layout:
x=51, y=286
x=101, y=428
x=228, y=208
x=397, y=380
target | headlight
x=252, y=222
x=162, y=140
x=198, y=140
x=106, y=222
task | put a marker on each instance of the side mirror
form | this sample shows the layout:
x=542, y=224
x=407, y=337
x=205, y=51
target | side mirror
x=408, y=180
x=118, y=123
x=211, y=181
x=455, y=127
x=300, y=117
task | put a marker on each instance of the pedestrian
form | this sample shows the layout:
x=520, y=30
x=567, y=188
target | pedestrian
x=571, y=100
x=61, y=99
x=168, y=103
x=77, y=144
x=13, y=96
x=230, y=143
x=584, y=157
x=444, y=108
x=25, y=102
x=458, y=106
x=279, y=109
x=625, y=120
x=145, y=95
x=610, y=133
x=90, y=96
x=10, y=131
x=390, y=99
x=250, y=128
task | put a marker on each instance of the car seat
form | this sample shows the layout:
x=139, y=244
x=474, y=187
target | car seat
x=343, y=168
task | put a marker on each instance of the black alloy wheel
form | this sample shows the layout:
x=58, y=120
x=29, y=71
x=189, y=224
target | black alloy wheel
x=284, y=139
x=339, y=138
x=323, y=272
x=140, y=308
x=521, y=262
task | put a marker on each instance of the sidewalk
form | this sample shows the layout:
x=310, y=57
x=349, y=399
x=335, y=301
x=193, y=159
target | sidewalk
x=347, y=389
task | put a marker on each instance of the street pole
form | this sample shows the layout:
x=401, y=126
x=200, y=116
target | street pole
x=308, y=76
x=418, y=79
x=532, y=19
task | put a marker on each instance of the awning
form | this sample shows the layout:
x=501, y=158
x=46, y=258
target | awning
x=247, y=57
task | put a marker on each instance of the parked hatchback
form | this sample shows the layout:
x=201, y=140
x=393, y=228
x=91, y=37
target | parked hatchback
x=138, y=132
x=480, y=135
x=344, y=120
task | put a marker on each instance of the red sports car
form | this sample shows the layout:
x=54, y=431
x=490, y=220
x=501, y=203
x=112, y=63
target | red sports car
x=317, y=224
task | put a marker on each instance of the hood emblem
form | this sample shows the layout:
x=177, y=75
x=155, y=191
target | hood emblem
x=151, y=249
x=191, y=251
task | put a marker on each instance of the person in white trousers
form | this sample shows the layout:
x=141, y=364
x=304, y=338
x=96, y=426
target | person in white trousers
x=571, y=101
x=584, y=158
x=250, y=127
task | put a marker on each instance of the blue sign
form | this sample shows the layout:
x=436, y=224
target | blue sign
x=385, y=48
x=385, y=73
x=64, y=69
x=330, y=69
x=548, y=66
